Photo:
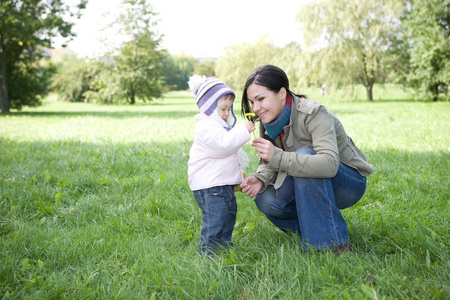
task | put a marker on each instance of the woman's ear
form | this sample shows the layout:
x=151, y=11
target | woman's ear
x=282, y=93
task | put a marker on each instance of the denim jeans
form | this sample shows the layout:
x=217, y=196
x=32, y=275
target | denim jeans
x=311, y=206
x=219, y=208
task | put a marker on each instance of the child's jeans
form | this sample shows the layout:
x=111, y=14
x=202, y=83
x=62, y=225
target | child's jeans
x=219, y=208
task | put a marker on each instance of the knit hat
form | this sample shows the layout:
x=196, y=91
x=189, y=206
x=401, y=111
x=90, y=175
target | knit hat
x=207, y=92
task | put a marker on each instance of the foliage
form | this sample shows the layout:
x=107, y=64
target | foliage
x=177, y=69
x=72, y=79
x=139, y=63
x=348, y=40
x=398, y=62
x=427, y=26
x=292, y=60
x=88, y=80
x=242, y=60
x=136, y=70
x=26, y=27
x=30, y=83
x=206, y=68
x=104, y=85
x=95, y=204
x=133, y=71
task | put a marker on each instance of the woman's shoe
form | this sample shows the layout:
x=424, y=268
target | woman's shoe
x=342, y=249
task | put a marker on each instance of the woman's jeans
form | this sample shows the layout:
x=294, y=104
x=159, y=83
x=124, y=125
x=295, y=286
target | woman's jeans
x=310, y=206
x=219, y=208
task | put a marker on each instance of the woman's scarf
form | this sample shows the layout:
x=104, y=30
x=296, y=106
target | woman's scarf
x=276, y=127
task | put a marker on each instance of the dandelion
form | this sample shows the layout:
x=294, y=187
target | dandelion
x=253, y=118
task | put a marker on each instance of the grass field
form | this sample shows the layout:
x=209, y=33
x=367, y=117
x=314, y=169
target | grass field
x=94, y=204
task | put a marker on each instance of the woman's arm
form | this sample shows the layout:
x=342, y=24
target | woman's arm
x=321, y=126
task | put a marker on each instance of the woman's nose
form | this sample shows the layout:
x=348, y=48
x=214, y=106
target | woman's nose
x=255, y=107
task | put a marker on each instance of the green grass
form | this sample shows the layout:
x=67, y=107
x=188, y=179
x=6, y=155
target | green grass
x=94, y=203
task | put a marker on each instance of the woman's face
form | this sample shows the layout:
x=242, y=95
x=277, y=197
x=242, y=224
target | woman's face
x=265, y=103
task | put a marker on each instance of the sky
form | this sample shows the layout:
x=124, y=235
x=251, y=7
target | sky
x=200, y=28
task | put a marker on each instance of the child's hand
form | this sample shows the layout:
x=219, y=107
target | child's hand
x=250, y=126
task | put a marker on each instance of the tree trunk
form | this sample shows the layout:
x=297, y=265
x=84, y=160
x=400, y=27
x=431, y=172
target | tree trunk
x=367, y=81
x=369, y=92
x=435, y=92
x=4, y=98
x=132, y=98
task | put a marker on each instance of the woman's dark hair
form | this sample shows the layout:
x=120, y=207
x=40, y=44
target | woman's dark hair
x=272, y=77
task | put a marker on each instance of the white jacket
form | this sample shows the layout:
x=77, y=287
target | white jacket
x=213, y=158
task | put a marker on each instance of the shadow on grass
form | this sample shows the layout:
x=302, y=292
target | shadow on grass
x=45, y=178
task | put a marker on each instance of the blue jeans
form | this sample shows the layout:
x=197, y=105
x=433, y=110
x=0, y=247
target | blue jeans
x=311, y=206
x=219, y=208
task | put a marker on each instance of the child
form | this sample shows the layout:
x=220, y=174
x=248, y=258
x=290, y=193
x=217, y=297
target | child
x=216, y=160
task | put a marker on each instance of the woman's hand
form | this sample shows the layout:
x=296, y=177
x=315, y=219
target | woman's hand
x=264, y=147
x=251, y=186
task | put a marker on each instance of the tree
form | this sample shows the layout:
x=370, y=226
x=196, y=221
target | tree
x=27, y=82
x=131, y=71
x=206, y=68
x=177, y=69
x=292, y=60
x=26, y=27
x=242, y=60
x=427, y=27
x=139, y=62
x=104, y=85
x=72, y=79
x=351, y=39
x=139, y=68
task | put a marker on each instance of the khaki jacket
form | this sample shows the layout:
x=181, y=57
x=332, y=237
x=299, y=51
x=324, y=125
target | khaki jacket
x=311, y=125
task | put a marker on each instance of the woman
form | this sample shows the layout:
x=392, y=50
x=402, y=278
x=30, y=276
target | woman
x=309, y=168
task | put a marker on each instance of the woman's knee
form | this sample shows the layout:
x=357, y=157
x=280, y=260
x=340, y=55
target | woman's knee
x=306, y=150
x=263, y=204
x=281, y=206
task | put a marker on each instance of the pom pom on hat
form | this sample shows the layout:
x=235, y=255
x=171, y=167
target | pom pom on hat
x=195, y=81
x=207, y=92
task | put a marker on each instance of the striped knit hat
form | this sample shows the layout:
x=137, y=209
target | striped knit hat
x=207, y=92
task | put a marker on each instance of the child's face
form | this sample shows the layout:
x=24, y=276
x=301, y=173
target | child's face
x=224, y=108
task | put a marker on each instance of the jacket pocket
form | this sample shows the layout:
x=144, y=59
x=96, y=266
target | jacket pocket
x=347, y=154
x=357, y=149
